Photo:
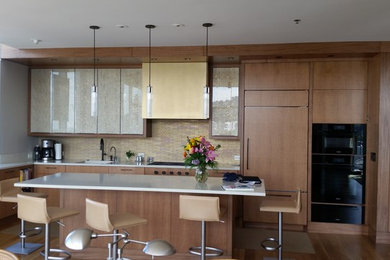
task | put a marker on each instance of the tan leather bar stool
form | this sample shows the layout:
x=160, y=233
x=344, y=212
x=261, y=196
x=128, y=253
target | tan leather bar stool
x=204, y=209
x=8, y=193
x=97, y=217
x=280, y=205
x=35, y=210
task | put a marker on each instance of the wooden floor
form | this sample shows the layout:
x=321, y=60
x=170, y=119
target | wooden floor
x=327, y=247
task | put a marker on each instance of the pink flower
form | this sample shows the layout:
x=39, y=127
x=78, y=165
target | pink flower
x=192, y=150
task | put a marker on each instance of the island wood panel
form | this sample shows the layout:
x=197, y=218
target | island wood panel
x=340, y=106
x=87, y=169
x=275, y=149
x=287, y=98
x=276, y=76
x=126, y=170
x=75, y=199
x=162, y=212
x=340, y=74
x=53, y=195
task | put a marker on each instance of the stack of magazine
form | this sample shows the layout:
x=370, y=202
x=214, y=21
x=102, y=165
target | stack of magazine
x=245, y=183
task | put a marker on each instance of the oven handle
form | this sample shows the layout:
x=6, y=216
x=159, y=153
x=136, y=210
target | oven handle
x=247, y=153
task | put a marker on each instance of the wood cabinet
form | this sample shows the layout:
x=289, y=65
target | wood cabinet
x=276, y=75
x=177, y=90
x=86, y=169
x=340, y=91
x=6, y=208
x=224, y=105
x=126, y=170
x=53, y=195
x=275, y=138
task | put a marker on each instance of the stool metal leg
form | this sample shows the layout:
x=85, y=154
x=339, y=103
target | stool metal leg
x=114, y=245
x=280, y=234
x=47, y=240
x=46, y=252
x=203, y=242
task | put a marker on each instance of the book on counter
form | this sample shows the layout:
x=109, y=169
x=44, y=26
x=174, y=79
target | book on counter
x=239, y=186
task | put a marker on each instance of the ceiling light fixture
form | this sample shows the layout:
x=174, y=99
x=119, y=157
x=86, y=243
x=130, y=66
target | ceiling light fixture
x=149, y=96
x=206, y=91
x=94, y=87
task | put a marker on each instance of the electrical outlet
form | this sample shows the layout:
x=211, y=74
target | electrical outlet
x=236, y=157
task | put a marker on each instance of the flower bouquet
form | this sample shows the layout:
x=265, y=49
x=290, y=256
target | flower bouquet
x=201, y=154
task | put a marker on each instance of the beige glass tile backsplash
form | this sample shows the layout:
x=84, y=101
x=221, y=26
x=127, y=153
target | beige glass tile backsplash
x=166, y=143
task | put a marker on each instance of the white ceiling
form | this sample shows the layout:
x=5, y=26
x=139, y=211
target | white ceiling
x=65, y=23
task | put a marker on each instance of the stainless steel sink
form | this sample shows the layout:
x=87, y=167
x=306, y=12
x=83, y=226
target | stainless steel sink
x=96, y=162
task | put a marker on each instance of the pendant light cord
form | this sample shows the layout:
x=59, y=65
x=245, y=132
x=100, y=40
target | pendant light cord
x=150, y=53
x=94, y=57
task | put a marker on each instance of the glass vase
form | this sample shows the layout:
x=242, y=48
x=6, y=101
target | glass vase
x=201, y=175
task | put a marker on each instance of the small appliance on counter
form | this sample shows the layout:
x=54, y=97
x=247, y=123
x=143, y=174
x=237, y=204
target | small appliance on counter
x=47, y=149
x=58, y=151
x=37, y=153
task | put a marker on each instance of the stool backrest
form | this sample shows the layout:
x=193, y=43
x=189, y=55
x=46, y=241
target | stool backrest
x=7, y=185
x=33, y=209
x=199, y=208
x=5, y=255
x=298, y=205
x=97, y=215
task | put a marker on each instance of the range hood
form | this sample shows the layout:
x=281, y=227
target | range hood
x=178, y=90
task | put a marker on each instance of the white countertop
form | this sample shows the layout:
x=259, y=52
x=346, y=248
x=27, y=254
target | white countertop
x=124, y=182
x=14, y=165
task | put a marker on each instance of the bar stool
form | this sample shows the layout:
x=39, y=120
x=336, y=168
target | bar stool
x=5, y=255
x=97, y=216
x=204, y=209
x=8, y=193
x=279, y=205
x=35, y=210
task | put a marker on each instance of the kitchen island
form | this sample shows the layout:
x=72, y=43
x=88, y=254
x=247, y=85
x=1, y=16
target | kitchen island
x=155, y=198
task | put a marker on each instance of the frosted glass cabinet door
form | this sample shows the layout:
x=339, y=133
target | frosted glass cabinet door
x=225, y=102
x=131, y=101
x=85, y=102
x=62, y=88
x=109, y=101
x=40, y=101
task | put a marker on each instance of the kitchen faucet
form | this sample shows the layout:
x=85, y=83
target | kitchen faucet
x=115, y=158
x=102, y=148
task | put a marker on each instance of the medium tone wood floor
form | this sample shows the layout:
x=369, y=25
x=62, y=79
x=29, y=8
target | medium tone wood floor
x=326, y=246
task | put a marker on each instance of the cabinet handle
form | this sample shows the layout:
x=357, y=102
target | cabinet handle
x=126, y=170
x=9, y=171
x=51, y=167
x=247, y=153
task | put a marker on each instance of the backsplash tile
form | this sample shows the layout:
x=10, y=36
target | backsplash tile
x=166, y=144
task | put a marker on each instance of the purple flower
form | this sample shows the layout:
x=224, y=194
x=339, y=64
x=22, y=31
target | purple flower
x=195, y=162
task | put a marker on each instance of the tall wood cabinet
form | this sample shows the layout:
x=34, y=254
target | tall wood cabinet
x=275, y=140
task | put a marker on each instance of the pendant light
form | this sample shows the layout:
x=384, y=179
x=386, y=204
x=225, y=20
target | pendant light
x=206, y=91
x=94, y=86
x=149, y=97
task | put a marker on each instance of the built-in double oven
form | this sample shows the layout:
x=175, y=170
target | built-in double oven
x=338, y=173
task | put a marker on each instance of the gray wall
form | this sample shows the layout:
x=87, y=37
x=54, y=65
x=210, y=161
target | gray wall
x=15, y=145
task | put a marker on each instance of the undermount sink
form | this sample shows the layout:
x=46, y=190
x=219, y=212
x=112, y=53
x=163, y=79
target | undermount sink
x=97, y=162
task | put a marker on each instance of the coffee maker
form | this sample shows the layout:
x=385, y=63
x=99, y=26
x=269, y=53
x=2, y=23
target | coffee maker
x=47, y=149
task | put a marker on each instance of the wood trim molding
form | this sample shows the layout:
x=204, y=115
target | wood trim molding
x=196, y=51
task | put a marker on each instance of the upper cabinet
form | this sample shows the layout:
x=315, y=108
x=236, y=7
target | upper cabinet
x=63, y=102
x=40, y=101
x=177, y=90
x=276, y=76
x=340, y=91
x=131, y=101
x=224, y=105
